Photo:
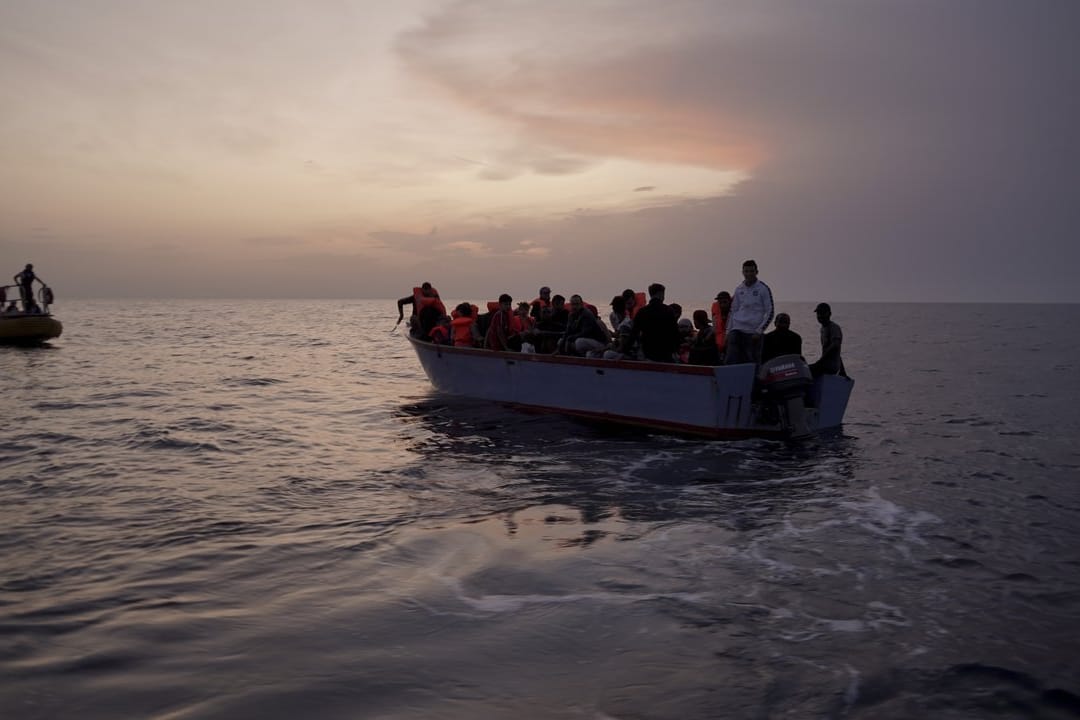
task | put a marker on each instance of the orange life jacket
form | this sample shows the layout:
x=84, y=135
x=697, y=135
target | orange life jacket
x=719, y=325
x=462, y=327
x=492, y=305
x=520, y=324
x=640, y=301
x=541, y=302
x=421, y=301
x=475, y=312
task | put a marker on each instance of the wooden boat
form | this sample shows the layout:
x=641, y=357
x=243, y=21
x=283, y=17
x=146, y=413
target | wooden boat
x=731, y=401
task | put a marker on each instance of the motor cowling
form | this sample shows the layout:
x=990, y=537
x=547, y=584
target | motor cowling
x=785, y=376
x=784, y=382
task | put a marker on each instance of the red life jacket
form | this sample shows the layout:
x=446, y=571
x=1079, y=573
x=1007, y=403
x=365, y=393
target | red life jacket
x=503, y=320
x=421, y=301
x=463, y=331
x=440, y=335
x=640, y=301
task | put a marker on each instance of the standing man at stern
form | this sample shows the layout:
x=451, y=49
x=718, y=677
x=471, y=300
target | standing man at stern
x=751, y=313
x=832, y=339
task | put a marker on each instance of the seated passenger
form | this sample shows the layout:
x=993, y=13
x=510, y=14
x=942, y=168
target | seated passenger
x=676, y=309
x=559, y=313
x=618, y=312
x=542, y=302
x=686, y=337
x=655, y=324
x=546, y=333
x=703, y=350
x=440, y=334
x=585, y=334
x=624, y=346
x=781, y=341
x=634, y=301
x=500, y=334
x=523, y=320
x=464, y=330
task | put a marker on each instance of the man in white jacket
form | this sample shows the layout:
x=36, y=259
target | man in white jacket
x=751, y=313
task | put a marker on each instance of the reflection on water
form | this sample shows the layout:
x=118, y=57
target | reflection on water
x=604, y=470
x=249, y=509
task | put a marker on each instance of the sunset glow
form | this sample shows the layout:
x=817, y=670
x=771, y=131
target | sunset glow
x=356, y=145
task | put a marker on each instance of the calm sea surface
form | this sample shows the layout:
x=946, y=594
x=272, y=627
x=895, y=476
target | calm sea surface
x=260, y=510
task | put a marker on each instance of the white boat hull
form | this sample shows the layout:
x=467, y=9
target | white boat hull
x=712, y=401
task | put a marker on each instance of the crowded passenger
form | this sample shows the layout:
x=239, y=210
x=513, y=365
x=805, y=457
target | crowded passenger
x=500, y=334
x=441, y=334
x=464, y=329
x=656, y=328
x=721, y=310
x=751, y=314
x=523, y=320
x=703, y=349
x=832, y=338
x=585, y=334
x=686, y=339
x=634, y=301
x=624, y=346
x=781, y=341
x=427, y=310
x=618, y=312
x=560, y=314
x=542, y=302
x=652, y=331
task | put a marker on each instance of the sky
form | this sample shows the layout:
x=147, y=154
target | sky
x=859, y=150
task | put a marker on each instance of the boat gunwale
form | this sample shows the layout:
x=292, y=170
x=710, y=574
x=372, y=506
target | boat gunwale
x=639, y=365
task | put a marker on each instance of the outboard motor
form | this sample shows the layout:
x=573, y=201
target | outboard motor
x=784, y=382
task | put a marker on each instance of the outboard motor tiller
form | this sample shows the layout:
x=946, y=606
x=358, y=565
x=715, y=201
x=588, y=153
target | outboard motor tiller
x=785, y=381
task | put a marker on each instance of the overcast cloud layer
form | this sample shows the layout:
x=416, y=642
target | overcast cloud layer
x=888, y=151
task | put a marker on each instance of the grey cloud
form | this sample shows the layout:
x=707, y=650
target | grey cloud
x=909, y=150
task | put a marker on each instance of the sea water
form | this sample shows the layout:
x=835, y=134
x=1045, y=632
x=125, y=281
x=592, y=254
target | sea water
x=260, y=509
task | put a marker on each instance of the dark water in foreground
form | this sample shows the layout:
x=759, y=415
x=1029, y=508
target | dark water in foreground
x=259, y=510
